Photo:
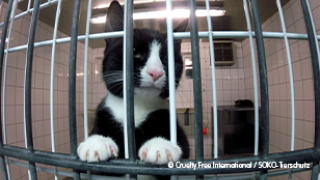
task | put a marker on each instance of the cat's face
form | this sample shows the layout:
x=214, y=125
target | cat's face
x=150, y=59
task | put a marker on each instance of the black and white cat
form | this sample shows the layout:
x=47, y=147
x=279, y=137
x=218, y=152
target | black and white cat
x=152, y=124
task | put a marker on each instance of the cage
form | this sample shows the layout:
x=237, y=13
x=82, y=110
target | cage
x=50, y=62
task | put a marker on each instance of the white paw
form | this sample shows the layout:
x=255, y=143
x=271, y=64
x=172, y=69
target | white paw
x=159, y=151
x=97, y=148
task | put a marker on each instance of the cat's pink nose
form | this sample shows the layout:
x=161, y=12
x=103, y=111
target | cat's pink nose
x=155, y=74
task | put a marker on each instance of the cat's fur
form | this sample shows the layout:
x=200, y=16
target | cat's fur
x=152, y=122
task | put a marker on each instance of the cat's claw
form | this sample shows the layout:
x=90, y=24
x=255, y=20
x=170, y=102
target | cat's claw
x=143, y=154
x=169, y=156
x=159, y=151
x=97, y=148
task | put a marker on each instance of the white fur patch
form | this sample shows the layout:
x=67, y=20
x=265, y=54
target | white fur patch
x=143, y=106
x=97, y=148
x=153, y=64
x=159, y=151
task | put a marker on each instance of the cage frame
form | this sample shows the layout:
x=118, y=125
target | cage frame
x=131, y=165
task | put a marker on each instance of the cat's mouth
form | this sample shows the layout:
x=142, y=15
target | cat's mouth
x=152, y=86
x=147, y=91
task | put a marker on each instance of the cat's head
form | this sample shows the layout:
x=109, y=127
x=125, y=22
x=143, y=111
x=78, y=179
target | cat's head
x=150, y=58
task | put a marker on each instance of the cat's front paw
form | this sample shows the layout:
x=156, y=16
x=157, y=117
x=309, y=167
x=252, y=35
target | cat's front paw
x=159, y=151
x=97, y=148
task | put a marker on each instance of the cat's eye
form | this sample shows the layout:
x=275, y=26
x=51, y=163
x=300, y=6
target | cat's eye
x=137, y=56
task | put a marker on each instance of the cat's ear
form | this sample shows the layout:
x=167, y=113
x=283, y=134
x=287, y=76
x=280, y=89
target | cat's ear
x=114, y=17
x=182, y=26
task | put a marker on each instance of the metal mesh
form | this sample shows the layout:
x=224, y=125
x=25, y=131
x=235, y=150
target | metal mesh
x=60, y=164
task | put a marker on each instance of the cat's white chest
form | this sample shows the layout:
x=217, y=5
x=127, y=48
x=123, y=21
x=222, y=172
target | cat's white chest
x=142, y=108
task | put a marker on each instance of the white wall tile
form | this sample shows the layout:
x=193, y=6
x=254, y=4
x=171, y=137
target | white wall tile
x=296, y=11
x=296, y=70
x=316, y=19
x=314, y=4
x=309, y=110
x=308, y=89
x=298, y=90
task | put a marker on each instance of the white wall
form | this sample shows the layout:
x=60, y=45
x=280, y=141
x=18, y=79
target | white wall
x=278, y=82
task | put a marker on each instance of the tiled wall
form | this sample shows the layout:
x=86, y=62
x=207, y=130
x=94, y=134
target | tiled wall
x=233, y=82
x=278, y=82
x=41, y=91
x=230, y=86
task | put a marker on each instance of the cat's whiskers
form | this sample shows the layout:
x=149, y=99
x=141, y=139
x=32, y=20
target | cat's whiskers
x=136, y=33
x=115, y=87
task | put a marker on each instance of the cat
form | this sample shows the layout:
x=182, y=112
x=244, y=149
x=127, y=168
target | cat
x=151, y=91
x=243, y=103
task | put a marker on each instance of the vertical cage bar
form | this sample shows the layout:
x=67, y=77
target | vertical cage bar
x=2, y=45
x=172, y=95
x=55, y=30
x=28, y=7
x=14, y=6
x=315, y=171
x=213, y=77
x=128, y=37
x=125, y=122
x=314, y=49
x=1, y=3
x=283, y=25
x=28, y=86
x=263, y=84
x=196, y=73
x=263, y=78
x=72, y=83
x=255, y=81
x=85, y=77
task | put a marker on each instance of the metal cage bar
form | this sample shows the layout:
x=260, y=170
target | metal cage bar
x=123, y=166
x=263, y=84
x=197, y=90
x=185, y=35
x=54, y=37
x=227, y=177
x=72, y=84
x=125, y=122
x=213, y=76
x=4, y=169
x=85, y=76
x=4, y=121
x=130, y=166
x=172, y=95
x=255, y=81
x=284, y=31
x=285, y=36
x=128, y=37
x=27, y=90
x=314, y=49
